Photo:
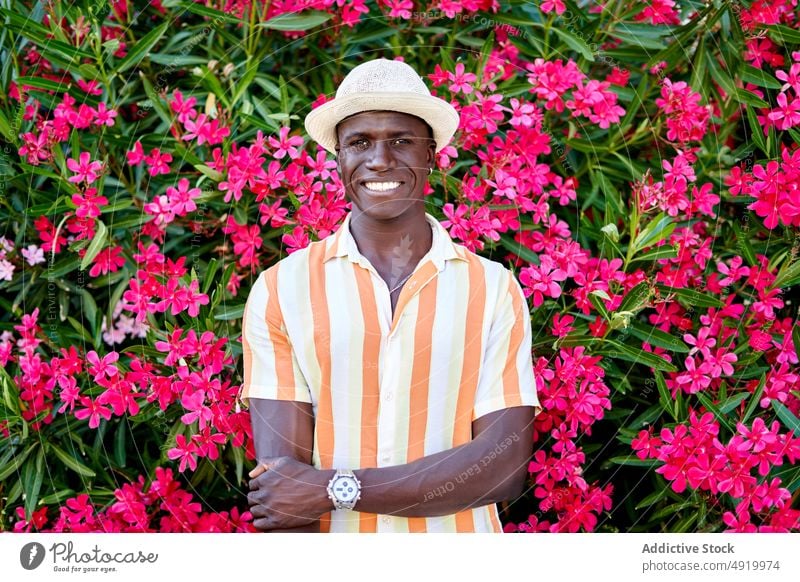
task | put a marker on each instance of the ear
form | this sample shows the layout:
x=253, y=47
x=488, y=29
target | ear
x=432, y=153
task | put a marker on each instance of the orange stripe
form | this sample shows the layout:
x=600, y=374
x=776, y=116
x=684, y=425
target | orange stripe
x=370, y=385
x=325, y=523
x=283, y=350
x=421, y=372
x=420, y=379
x=462, y=431
x=322, y=330
x=511, y=391
x=493, y=518
x=414, y=284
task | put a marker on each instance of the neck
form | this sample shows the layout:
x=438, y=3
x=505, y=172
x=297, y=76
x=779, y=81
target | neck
x=405, y=239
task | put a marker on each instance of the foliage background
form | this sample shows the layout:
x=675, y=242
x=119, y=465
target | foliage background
x=636, y=163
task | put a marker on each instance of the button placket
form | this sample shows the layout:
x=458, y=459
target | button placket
x=386, y=428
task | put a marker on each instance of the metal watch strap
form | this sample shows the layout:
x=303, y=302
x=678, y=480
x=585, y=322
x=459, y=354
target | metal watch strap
x=337, y=503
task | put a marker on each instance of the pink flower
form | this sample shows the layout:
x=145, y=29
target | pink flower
x=461, y=82
x=562, y=325
x=102, y=368
x=158, y=162
x=186, y=451
x=104, y=116
x=183, y=107
x=285, y=144
x=136, y=155
x=787, y=114
x=92, y=410
x=107, y=261
x=542, y=280
x=549, y=6
x=182, y=198
x=85, y=170
x=88, y=203
x=694, y=379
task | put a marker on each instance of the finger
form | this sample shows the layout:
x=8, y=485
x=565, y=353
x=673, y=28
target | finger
x=263, y=465
x=262, y=468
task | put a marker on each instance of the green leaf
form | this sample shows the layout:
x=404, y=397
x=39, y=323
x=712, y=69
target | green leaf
x=230, y=312
x=657, y=230
x=750, y=74
x=634, y=461
x=652, y=498
x=210, y=172
x=755, y=399
x=692, y=297
x=750, y=98
x=665, y=397
x=58, y=497
x=95, y=246
x=637, y=298
x=632, y=354
x=756, y=131
x=654, y=254
x=44, y=84
x=789, y=275
x=139, y=50
x=70, y=461
x=303, y=21
x=784, y=34
x=597, y=300
x=576, y=43
x=796, y=339
x=744, y=245
x=789, y=420
x=656, y=337
x=732, y=402
x=520, y=250
x=119, y=444
x=214, y=15
x=638, y=40
x=13, y=466
x=711, y=407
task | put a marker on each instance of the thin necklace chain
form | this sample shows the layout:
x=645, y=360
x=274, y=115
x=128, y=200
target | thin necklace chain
x=400, y=284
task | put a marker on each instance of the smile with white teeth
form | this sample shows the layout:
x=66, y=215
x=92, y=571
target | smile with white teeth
x=381, y=186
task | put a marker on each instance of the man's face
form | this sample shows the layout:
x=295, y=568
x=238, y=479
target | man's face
x=377, y=148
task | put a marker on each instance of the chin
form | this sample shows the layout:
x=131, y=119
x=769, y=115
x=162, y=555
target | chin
x=388, y=209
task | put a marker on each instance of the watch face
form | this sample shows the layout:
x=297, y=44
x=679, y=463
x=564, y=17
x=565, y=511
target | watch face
x=345, y=489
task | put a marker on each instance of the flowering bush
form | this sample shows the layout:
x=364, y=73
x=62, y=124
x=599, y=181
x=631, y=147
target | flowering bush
x=636, y=163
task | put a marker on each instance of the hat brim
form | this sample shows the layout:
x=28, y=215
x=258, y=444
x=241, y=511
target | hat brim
x=443, y=118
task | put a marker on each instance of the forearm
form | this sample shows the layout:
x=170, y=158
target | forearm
x=273, y=436
x=482, y=471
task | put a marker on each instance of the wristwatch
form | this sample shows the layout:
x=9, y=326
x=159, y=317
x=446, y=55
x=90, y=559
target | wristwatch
x=344, y=489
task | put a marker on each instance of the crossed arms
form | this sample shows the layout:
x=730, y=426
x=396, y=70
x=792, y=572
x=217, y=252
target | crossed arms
x=288, y=494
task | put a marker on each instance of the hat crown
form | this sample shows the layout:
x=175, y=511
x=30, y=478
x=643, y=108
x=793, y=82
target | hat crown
x=382, y=76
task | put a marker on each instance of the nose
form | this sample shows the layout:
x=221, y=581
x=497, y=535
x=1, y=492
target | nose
x=380, y=155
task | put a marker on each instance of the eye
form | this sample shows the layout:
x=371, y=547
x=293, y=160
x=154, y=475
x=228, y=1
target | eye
x=403, y=140
x=358, y=143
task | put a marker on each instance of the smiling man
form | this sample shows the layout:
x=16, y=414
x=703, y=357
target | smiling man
x=388, y=370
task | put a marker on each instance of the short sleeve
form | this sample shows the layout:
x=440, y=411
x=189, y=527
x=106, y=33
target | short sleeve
x=506, y=377
x=270, y=366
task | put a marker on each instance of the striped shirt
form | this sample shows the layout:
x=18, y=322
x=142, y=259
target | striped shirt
x=318, y=328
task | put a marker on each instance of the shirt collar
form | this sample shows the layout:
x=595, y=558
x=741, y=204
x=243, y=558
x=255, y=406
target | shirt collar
x=342, y=244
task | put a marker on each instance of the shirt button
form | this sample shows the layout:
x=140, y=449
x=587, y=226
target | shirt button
x=386, y=519
x=388, y=396
x=386, y=458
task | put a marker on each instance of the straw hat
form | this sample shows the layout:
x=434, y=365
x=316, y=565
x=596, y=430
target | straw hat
x=382, y=84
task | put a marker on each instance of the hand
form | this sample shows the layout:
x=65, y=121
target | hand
x=285, y=493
